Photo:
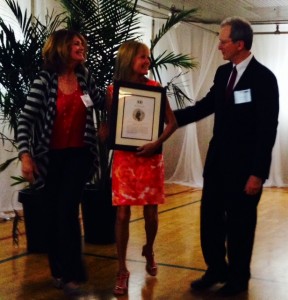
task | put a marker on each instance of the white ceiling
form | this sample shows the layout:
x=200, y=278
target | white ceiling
x=214, y=11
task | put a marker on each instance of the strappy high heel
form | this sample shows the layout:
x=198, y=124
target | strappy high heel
x=122, y=281
x=151, y=266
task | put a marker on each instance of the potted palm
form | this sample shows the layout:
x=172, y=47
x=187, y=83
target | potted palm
x=19, y=61
x=106, y=25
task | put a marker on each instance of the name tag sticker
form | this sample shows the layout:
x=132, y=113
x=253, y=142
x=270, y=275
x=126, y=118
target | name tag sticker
x=87, y=100
x=243, y=96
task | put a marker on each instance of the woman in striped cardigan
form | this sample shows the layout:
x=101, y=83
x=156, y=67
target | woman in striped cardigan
x=57, y=147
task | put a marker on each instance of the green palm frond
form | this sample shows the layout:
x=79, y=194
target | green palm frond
x=174, y=19
x=20, y=58
x=181, y=98
x=163, y=60
x=19, y=180
x=106, y=25
x=7, y=163
x=174, y=89
x=177, y=60
x=23, y=21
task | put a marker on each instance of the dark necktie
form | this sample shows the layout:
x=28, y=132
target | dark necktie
x=231, y=83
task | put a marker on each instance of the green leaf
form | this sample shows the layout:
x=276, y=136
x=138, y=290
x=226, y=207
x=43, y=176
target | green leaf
x=106, y=25
x=18, y=180
x=174, y=19
x=21, y=59
x=176, y=60
x=7, y=163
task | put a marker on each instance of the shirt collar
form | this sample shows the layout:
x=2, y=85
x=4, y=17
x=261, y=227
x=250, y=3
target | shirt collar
x=243, y=64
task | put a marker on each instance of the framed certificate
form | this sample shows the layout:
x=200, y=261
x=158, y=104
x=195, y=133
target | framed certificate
x=137, y=115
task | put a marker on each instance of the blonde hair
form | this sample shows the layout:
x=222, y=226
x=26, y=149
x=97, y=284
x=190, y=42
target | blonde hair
x=124, y=60
x=56, y=50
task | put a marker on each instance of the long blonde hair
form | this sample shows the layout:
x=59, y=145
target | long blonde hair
x=124, y=60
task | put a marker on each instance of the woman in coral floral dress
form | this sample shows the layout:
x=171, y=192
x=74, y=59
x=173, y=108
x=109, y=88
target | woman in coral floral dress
x=137, y=177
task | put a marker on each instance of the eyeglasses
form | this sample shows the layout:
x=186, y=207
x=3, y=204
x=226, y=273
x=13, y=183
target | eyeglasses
x=225, y=42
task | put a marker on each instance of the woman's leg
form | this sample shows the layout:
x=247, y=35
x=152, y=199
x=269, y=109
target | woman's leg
x=122, y=235
x=151, y=228
x=151, y=225
x=68, y=173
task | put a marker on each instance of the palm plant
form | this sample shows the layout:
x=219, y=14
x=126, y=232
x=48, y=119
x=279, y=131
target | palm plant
x=182, y=61
x=19, y=61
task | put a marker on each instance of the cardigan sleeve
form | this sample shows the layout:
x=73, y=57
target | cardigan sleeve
x=29, y=115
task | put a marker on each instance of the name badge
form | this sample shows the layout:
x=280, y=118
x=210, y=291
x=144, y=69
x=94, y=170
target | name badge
x=243, y=96
x=87, y=100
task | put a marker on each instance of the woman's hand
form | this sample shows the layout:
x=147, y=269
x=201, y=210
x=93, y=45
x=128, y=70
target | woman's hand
x=147, y=149
x=29, y=168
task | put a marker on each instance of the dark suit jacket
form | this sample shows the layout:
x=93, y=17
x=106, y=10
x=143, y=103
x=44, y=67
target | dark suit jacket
x=244, y=133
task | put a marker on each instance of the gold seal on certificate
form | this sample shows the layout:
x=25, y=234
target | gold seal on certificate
x=137, y=116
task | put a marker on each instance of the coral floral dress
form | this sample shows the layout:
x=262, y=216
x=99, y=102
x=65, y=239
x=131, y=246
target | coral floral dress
x=137, y=180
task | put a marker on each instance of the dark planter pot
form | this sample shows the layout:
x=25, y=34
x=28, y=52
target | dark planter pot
x=35, y=226
x=98, y=216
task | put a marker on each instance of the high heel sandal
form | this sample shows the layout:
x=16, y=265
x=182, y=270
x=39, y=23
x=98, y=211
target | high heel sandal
x=122, y=281
x=151, y=266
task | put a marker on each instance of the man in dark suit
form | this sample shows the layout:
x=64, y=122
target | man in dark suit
x=238, y=158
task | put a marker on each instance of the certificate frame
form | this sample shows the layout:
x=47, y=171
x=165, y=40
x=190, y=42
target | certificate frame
x=137, y=115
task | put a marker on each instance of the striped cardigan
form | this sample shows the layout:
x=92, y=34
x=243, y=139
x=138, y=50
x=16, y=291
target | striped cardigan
x=37, y=117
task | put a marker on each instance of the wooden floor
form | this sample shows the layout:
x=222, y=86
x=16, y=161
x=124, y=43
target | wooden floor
x=25, y=276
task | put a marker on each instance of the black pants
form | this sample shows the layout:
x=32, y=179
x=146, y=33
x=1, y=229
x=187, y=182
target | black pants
x=228, y=223
x=67, y=174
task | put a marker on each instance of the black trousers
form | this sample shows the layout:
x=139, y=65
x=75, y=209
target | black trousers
x=228, y=223
x=67, y=175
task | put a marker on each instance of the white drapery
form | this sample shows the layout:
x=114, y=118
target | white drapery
x=186, y=150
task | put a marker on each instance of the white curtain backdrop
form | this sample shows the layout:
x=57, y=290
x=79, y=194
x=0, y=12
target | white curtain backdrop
x=186, y=150
x=271, y=50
